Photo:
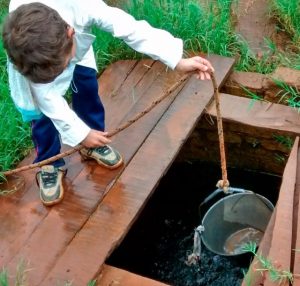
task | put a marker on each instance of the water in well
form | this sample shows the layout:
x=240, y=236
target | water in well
x=159, y=242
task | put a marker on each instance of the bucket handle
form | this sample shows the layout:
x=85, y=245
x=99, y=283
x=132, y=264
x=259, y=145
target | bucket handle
x=196, y=254
x=231, y=190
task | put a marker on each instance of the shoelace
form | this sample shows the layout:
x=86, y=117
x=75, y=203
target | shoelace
x=102, y=149
x=49, y=179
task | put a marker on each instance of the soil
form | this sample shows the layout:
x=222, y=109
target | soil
x=255, y=25
x=158, y=244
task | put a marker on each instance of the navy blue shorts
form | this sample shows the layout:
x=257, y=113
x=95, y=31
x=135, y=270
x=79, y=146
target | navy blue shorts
x=87, y=105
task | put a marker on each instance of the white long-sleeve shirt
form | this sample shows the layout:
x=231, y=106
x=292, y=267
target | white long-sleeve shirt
x=33, y=99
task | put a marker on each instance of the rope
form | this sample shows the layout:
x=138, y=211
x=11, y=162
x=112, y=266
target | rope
x=110, y=134
x=194, y=258
x=224, y=183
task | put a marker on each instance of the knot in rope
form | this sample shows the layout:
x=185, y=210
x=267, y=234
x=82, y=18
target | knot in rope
x=223, y=185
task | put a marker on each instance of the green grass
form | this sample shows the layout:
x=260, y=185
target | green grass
x=20, y=278
x=109, y=49
x=265, y=265
x=206, y=29
x=288, y=95
x=15, y=134
x=203, y=28
x=288, y=14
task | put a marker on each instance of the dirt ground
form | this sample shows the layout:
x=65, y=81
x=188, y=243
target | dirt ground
x=254, y=24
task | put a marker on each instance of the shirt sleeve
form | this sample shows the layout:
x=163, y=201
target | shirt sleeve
x=71, y=128
x=139, y=35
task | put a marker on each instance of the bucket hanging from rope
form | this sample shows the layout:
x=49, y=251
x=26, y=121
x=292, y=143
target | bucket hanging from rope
x=234, y=220
x=222, y=185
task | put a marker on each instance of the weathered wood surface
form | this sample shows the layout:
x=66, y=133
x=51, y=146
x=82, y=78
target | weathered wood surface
x=281, y=243
x=278, y=244
x=30, y=223
x=115, y=276
x=295, y=264
x=258, y=113
x=46, y=237
x=71, y=241
x=254, y=277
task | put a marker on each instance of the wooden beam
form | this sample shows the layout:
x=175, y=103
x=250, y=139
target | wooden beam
x=296, y=230
x=115, y=276
x=276, y=245
x=259, y=114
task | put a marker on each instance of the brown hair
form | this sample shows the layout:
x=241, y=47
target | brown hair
x=36, y=41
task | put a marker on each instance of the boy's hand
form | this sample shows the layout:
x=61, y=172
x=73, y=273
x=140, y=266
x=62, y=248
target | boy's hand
x=200, y=66
x=95, y=139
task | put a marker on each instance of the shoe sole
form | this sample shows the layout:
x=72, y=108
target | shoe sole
x=86, y=158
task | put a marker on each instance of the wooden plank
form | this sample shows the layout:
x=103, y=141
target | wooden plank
x=115, y=276
x=119, y=104
x=253, y=276
x=15, y=232
x=85, y=192
x=281, y=244
x=277, y=243
x=22, y=212
x=258, y=113
x=296, y=229
x=114, y=76
x=120, y=207
x=14, y=238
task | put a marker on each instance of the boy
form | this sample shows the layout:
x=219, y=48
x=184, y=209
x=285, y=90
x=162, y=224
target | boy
x=49, y=49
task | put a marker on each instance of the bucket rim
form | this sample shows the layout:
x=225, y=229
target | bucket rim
x=272, y=207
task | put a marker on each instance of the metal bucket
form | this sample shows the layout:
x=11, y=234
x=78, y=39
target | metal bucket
x=234, y=221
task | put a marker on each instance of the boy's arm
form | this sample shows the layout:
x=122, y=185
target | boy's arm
x=71, y=128
x=139, y=35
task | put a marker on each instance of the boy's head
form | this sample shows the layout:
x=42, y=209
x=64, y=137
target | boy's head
x=38, y=42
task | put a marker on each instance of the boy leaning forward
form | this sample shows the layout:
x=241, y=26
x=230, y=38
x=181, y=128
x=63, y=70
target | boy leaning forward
x=49, y=48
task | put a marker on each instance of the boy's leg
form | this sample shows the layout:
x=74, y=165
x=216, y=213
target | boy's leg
x=85, y=98
x=47, y=144
x=46, y=140
x=88, y=106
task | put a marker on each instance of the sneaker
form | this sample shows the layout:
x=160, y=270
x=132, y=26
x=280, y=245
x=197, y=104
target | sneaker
x=49, y=180
x=105, y=156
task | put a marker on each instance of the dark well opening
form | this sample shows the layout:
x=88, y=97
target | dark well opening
x=160, y=240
